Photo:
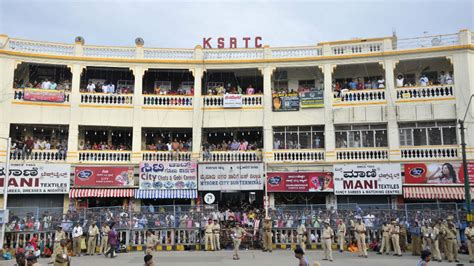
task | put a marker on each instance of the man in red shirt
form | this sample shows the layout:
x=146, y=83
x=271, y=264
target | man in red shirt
x=29, y=146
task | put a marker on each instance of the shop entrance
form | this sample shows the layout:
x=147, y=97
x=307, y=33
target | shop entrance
x=300, y=198
x=237, y=199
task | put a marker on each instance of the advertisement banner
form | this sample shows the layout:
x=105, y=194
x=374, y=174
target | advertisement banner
x=367, y=179
x=282, y=102
x=37, y=178
x=312, y=99
x=233, y=101
x=99, y=176
x=437, y=173
x=238, y=176
x=42, y=95
x=168, y=175
x=300, y=182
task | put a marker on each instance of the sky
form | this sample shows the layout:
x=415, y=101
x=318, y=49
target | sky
x=184, y=24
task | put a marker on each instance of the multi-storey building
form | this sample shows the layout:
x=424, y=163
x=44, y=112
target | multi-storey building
x=307, y=110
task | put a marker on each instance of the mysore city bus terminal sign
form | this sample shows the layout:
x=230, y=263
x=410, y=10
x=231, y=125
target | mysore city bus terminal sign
x=231, y=42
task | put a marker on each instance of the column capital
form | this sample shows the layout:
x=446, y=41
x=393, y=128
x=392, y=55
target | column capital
x=197, y=71
x=270, y=69
x=138, y=71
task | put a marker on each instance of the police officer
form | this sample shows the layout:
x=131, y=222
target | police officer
x=469, y=233
x=301, y=237
x=151, y=242
x=452, y=242
x=58, y=236
x=385, y=239
x=216, y=233
x=238, y=233
x=426, y=233
x=104, y=231
x=341, y=234
x=326, y=238
x=415, y=232
x=395, y=235
x=434, y=247
x=208, y=230
x=267, y=235
x=361, y=231
x=92, y=240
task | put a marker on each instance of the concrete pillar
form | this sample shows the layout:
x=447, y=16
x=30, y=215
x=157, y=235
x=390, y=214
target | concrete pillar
x=198, y=73
x=7, y=70
x=138, y=72
x=75, y=100
x=391, y=109
x=465, y=36
x=329, y=137
x=267, y=113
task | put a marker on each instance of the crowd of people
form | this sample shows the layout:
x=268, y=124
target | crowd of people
x=23, y=148
x=46, y=84
x=103, y=146
x=229, y=89
x=107, y=87
x=174, y=145
x=234, y=145
x=443, y=78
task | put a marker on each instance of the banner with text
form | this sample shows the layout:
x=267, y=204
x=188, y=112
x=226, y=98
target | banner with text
x=43, y=95
x=232, y=100
x=103, y=176
x=367, y=179
x=300, y=182
x=239, y=176
x=437, y=173
x=168, y=175
x=37, y=178
x=285, y=102
x=312, y=99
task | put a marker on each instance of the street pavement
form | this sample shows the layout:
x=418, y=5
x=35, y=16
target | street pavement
x=250, y=257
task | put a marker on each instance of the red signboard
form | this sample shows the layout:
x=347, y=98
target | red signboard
x=43, y=95
x=98, y=176
x=300, y=182
x=437, y=173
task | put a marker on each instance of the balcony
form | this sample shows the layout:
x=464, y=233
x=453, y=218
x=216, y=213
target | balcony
x=39, y=156
x=429, y=153
x=248, y=101
x=430, y=93
x=166, y=156
x=61, y=96
x=362, y=154
x=299, y=155
x=104, y=99
x=168, y=101
x=232, y=156
x=359, y=97
x=105, y=156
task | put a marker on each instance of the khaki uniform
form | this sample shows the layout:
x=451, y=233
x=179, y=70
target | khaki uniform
x=326, y=238
x=104, y=239
x=300, y=238
x=267, y=236
x=395, y=235
x=238, y=233
x=444, y=245
x=434, y=247
x=361, y=230
x=385, y=246
x=58, y=236
x=151, y=242
x=341, y=235
x=452, y=244
x=209, y=243
x=60, y=251
x=92, y=240
x=403, y=238
x=216, y=234
x=426, y=240
x=469, y=233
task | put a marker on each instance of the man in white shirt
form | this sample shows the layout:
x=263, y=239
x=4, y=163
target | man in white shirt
x=111, y=88
x=449, y=79
x=105, y=88
x=424, y=81
x=381, y=83
x=46, y=84
x=91, y=87
x=76, y=239
x=47, y=145
x=400, y=80
x=442, y=78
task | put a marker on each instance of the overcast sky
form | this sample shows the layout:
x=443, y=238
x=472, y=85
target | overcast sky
x=185, y=23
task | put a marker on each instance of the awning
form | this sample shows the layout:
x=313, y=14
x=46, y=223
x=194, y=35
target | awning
x=102, y=193
x=166, y=194
x=435, y=192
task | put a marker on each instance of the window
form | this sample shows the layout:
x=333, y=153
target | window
x=298, y=137
x=361, y=136
x=428, y=133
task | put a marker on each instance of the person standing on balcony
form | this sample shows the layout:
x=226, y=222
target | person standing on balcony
x=208, y=242
x=104, y=230
x=381, y=83
x=90, y=87
x=400, y=80
x=46, y=84
x=92, y=240
x=424, y=80
x=76, y=239
x=250, y=90
x=442, y=78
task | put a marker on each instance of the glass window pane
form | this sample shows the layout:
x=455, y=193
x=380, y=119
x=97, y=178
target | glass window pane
x=291, y=140
x=406, y=137
x=279, y=129
x=354, y=139
x=338, y=128
x=341, y=139
x=419, y=136
x=367, y=139
x=381, y=138
x=449, y=136
x=358, y=127
x=317, y=128
x=434, y=136
x=407, y=125
x=305, y=128
x=381, y=126
x=446, y=124
x=278, y=141
x=305, y=140
x=318, y=140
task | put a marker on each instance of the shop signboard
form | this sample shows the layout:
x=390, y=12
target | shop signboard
x=103, y=176
x=165, y=175
x=367, y=179
x=437, y=173
x=231, y=177
x=37, y=178
x=232, y=100
x=300, y=182
x=282, y=102
x=312, y=99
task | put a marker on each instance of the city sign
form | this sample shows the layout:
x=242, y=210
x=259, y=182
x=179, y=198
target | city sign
x=232, y=42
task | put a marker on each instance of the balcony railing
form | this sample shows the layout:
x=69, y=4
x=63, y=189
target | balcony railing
x=109, y=51
x=40, y=47
x=106, y=99
x=229, y=54
x=18, y=94
x=168, y=100
x=105, y=156
x=232, y=156
x=359, y=96
x=298, y=155
x=423, y=153
x=427, y=41
x=39, y=155
x=166, y=156
x=296, y=52
x=247, y=101
x=439, y=92
x=358, y=48
x=157, y=53
x=367, y=154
